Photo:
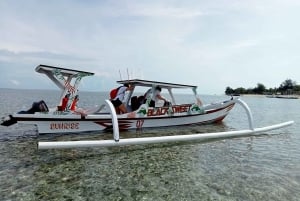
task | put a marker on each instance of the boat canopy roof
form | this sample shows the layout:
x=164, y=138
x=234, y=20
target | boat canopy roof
x=64, y=71
x=66, y=79
x=149, y=83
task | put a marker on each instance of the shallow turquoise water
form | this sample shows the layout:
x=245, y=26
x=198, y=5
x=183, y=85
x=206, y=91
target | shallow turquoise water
x=251, y=168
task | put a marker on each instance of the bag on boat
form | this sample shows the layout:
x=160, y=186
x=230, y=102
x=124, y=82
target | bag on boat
x=113, y=93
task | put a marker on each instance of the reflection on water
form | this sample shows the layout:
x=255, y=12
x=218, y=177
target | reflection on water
x=252, y=168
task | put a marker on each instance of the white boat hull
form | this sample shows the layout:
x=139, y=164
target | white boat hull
x=75, y=123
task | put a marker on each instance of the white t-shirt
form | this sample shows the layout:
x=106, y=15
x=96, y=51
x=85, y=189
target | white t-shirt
x=121, y=93
x=154, y=95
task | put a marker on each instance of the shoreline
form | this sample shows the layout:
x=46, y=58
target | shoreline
x=292, y=96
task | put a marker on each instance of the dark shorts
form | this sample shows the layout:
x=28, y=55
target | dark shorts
x=152, y=103
x=116, y=103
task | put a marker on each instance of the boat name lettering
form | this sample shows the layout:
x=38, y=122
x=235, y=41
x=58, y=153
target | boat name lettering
x=64, y=126
x=164, y=110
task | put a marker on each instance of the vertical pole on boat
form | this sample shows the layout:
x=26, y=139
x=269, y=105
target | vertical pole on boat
x=248, y=111
x=114, y=120
x=199, y=102
x=172, y=97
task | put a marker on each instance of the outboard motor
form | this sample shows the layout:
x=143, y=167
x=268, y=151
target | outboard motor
x=36, y=107
x=7, y=121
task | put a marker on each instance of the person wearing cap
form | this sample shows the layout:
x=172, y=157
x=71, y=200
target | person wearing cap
x=156, y=96
x=118, y=100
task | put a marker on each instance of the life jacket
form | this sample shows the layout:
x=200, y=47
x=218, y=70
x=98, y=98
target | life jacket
x=64, y=103
x=73, y=106
x=113, y=93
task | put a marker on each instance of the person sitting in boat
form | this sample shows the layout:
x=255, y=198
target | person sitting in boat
x=143, y=98
x=74, y=103
x=64, y=103
x=156, y=96
x=75, y=109
x=118, y=100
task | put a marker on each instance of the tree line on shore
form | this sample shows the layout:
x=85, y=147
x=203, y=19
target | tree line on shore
x=286, y=87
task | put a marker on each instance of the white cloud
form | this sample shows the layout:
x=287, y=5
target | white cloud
x=245, y=44
x=190, y=40
x=15, y=82
x=163, y=11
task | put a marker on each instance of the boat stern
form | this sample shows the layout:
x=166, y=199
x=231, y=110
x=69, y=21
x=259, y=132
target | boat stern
x=8, y=120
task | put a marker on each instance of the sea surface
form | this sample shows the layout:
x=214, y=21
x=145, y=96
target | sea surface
x=265, y=167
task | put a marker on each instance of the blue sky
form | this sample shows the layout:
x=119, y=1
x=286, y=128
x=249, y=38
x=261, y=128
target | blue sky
x=212, y=44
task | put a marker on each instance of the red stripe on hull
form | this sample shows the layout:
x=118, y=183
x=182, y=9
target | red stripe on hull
x=228, y=107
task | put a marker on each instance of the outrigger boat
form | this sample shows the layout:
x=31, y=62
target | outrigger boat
x=140, y=115
x=61, y=119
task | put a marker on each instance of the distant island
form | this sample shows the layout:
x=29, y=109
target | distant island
x=287, y=87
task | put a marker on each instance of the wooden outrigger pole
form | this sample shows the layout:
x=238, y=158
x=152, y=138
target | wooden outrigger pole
x=163, y=139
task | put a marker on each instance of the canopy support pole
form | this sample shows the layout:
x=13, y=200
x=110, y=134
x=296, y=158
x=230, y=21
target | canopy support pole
x=114, y=120
x=248, y=111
